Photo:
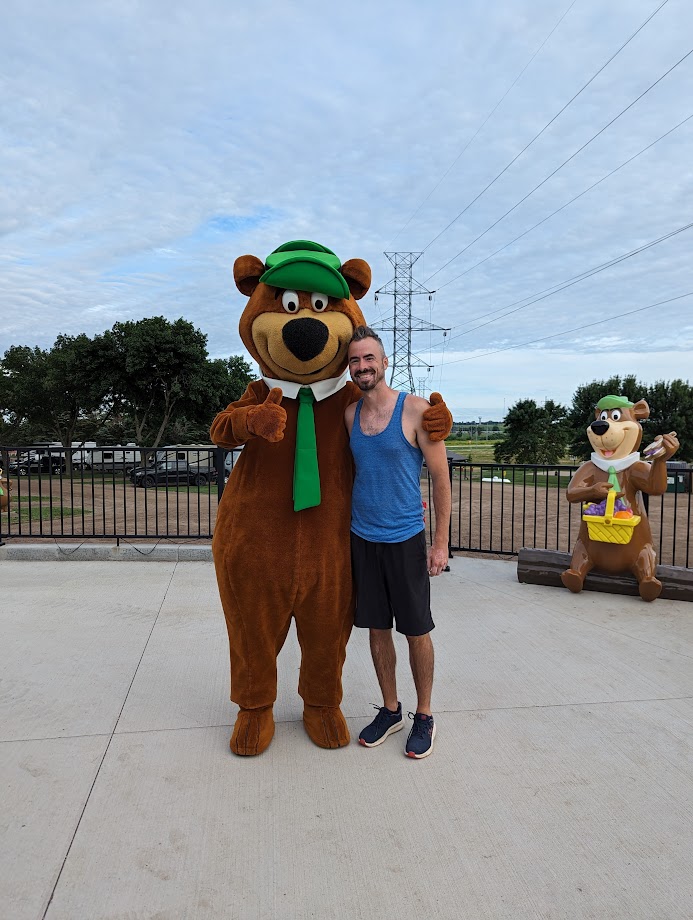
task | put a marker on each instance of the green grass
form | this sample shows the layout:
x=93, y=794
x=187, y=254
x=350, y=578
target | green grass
x=479, y=451
x=482, y=452
x=42, y=511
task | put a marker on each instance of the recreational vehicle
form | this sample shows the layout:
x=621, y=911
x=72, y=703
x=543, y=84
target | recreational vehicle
x=106, y=458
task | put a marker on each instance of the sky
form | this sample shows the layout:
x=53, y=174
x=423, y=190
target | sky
x=144, y=146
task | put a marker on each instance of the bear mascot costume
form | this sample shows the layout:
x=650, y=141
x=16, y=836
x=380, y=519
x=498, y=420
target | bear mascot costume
x=281, y=542
x=615, y=534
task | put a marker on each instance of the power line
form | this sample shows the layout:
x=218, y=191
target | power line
x=563, y=206
x=561, y=286
x=548, y=124
x=555, y=335
x=484, y=122
x=564, y=163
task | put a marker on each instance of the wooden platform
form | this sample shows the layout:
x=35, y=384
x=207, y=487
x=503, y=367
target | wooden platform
x=544, y=567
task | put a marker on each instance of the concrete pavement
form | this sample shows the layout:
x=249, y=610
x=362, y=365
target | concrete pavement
x=561, y=785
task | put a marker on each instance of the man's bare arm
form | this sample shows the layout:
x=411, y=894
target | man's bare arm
x=437, y=462
x=349, y=414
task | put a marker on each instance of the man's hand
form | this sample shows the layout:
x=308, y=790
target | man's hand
x=268, y=420
x=437, y=560
x=437, y=421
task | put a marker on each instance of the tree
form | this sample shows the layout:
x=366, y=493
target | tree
x=132, y=383
x=220, y=382
x=533, y=434
x=155, y=369
x=671, y=409
x=47, y=392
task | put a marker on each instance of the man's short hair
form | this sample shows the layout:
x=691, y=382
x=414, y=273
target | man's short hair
x=365, y=332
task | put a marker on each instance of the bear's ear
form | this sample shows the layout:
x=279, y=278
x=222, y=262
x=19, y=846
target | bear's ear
x=358, y=277
x=246, y=273
x=641, y=410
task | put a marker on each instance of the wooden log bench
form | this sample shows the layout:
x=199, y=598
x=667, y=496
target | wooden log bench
x=544, y=567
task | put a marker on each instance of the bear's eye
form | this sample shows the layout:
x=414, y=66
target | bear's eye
x=604, y=416
x=318, y=301
x=290, y=301
x=616, y=414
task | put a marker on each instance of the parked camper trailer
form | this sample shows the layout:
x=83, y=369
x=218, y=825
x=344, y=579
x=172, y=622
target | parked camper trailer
x=106, y=458
x=201, y=455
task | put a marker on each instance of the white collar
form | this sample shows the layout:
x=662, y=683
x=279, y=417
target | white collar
x=618, y=465
x=321, y=388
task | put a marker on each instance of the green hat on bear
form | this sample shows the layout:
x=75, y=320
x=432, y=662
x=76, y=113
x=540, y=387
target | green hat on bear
x=302, y=265
x=614, y=402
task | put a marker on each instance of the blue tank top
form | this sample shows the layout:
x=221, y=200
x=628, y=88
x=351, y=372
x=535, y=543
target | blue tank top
x=386, y=502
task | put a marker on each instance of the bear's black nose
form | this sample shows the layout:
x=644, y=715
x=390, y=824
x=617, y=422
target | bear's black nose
x=305, y=338
x=599, y=427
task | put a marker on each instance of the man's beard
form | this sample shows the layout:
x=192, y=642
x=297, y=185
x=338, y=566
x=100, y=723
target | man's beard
x=369, y=380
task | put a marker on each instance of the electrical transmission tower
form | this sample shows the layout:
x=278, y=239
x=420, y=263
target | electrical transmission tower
x=402, y=323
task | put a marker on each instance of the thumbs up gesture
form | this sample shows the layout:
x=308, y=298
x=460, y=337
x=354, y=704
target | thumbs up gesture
x=268, y=420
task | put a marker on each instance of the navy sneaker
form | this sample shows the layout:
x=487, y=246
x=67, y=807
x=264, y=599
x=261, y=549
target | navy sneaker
x=384, y=724
x=420, y=740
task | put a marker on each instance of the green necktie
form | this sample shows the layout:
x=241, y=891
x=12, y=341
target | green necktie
x=306, y=473
x=613, y=479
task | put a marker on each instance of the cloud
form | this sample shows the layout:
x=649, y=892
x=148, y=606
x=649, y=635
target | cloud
x=146, y=145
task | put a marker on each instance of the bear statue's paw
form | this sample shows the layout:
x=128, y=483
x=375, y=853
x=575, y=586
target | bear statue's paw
x=572, y=581
x=253, y=731
x=326, y=726
x=650, y=589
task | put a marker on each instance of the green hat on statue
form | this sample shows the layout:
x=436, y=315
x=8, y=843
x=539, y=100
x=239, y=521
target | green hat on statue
x=302, y=265
x=614, y=402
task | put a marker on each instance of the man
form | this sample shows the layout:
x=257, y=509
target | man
x=388, y=539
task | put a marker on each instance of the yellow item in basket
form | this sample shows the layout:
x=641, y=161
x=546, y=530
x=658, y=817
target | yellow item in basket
x=607, y=528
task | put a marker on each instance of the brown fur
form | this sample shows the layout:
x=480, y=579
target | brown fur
x=588, y=485
x=272, y=562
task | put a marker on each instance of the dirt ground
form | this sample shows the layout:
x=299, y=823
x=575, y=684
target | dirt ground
x=489, y=517
x=95, y=508
x=499, y=517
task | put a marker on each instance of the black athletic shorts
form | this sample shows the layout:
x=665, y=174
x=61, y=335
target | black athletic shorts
x=392, y=582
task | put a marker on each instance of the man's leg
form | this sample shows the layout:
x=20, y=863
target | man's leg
x=389, y=718
x=385, y=663
x=420, y=740
x=421, y=659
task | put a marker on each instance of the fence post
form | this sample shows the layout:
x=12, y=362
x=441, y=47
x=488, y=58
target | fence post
x=5, y=471
x=447, y=568
x=219, y=460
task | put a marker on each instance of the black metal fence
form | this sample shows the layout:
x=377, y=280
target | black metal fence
x=127, y=493
x=119, y=493
x=500, y=508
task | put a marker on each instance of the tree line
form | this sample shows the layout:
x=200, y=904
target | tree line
x=552, y=432
x=142, y=381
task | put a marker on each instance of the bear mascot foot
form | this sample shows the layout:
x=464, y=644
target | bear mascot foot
x=650, y=589
x=326, y=726
x=572, y=581
x=253, y=731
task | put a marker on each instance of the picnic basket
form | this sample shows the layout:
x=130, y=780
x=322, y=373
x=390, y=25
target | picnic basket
x=605, y=528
